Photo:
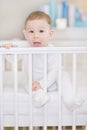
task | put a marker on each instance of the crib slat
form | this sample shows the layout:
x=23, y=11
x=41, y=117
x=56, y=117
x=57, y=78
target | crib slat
x=30, y=91
x=16, y=91
x=45, y=88
x=74, y=89
x=1, y=94
x=59, y=90
x=45, y=72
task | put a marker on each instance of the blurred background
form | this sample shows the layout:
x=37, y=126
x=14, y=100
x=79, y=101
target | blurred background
x=14, y=12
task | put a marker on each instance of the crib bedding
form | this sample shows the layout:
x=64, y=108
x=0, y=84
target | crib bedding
x=23, y=102
x=23, y=97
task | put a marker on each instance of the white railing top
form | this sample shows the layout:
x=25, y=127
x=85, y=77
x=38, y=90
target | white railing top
x=43, y=50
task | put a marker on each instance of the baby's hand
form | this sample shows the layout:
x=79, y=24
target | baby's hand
x=35, y=86
x=8, y=45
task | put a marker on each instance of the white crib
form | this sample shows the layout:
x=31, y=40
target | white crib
x=16, y=108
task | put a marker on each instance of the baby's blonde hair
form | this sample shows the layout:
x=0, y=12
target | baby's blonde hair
x=38, y=15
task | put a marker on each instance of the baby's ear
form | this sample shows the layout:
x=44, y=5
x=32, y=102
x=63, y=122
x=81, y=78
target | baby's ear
x=25, y=34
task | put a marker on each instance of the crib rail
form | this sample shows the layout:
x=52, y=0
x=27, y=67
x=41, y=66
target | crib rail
x=43, y=50
x=30, y=51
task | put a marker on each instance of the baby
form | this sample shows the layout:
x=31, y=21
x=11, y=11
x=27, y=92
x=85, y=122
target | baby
x=38, y=32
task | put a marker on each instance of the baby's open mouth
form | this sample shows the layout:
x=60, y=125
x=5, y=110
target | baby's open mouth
x=37, y=44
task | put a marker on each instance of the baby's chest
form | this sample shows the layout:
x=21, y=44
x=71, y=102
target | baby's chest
x=38, y=66
x=39, y=63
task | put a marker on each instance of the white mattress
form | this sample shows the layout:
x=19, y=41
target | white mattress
x=23, y=103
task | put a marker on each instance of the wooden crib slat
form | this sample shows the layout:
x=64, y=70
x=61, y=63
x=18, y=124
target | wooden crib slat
x=45, y=88
x=30, y=92
x=16, y=91
x=74, y=74
x=74, y=89
x=59, y=90
x=1, y=94
x=45, y=72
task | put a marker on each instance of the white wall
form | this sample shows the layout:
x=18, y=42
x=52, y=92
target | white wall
x=13, y=14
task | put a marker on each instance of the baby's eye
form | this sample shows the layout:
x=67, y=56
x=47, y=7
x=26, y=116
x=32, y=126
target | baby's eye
x=31, y=31
x=41, y=31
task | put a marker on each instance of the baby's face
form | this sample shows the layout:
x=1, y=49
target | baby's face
x=38, y=32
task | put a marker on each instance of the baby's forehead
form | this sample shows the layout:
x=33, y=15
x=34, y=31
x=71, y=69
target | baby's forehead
x=37, y=23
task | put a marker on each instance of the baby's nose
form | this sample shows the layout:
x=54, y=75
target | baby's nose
x=35, y=35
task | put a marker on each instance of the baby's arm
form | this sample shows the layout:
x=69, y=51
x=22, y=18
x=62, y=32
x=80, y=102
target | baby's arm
x=51, y=78
x=10, y=57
